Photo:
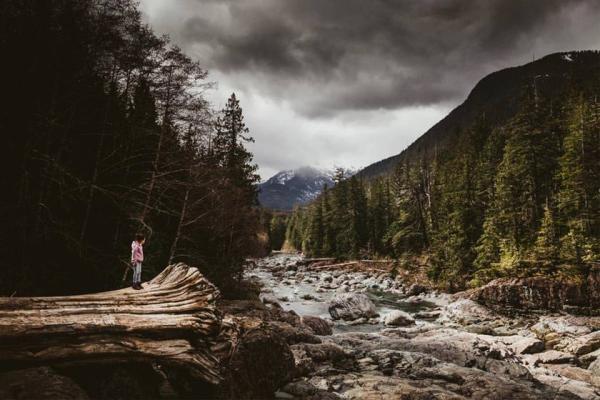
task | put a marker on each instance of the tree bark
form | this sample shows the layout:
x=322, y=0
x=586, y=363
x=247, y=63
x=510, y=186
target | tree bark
x=172, y=321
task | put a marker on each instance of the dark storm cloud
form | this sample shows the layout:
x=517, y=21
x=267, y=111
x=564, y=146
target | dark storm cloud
x=338, y=55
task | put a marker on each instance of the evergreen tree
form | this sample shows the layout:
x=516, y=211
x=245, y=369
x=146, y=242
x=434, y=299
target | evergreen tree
x=228, y=147
x=329, y=243
x=358, y=210
x=317, y=235
x=579, y=178
x=547, y=244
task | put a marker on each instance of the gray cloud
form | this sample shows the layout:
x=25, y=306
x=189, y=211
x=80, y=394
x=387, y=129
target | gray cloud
x=354, y=81
x=373, y=54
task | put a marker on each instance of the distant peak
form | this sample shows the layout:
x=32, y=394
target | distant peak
x=292, y=187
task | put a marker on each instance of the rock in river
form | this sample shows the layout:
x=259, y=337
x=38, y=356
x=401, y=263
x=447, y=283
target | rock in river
x=318, y=325
x=351, y=306
x=398, y=318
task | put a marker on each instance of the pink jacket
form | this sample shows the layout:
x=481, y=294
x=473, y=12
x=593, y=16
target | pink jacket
x=137, y=252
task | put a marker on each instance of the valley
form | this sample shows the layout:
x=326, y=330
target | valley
x=145, y=257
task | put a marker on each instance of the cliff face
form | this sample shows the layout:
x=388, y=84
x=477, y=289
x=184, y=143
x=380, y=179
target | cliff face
x=543, y=294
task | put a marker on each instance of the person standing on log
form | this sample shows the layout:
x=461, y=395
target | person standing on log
x=137, y=257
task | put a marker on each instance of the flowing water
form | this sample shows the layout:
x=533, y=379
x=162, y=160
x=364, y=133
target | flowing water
x=309, y=292
x=456, y=348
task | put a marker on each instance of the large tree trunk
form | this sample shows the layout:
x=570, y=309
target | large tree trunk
x=172, y=321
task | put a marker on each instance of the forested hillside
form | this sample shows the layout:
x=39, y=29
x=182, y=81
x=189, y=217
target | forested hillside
x=497, y=97
x=510, y=197
x=106, y=132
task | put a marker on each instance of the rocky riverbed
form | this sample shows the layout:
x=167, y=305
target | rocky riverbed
x=370, y=335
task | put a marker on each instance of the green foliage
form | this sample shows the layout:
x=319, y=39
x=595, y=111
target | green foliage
x=519, y=198
x=277, y=228
x=579, y=177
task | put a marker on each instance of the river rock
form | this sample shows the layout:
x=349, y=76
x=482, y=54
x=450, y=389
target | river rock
x=465, y=312
x=416, y=289
x=306, y=390
x=585, y=344
x=262, y=362
x=523, y=345
x=550, y=357
x=553, y=376
x=572, y=372
x=578, y=345
x=39, y=383
x=563, y=326
x=269, y=299
x=589, y=358
x=594, y=369
x=318, y=325
x=398, y=318
x=351, y=306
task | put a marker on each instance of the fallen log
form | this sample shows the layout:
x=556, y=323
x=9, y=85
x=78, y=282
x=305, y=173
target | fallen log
x=172, y=321
x=306, y=261
x=335, y=266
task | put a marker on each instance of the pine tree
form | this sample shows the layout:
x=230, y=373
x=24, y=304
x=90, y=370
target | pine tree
x=358, y=209
x=316, y=235
x=409, y=233
x=329, y=243
x=547, y=244
x=379, y=215
x=229, y=149
x=487, y=252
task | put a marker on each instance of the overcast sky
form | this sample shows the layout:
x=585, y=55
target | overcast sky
x=349, y=82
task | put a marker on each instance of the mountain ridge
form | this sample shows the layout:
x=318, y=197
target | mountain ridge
x=493, y=97
x=292, y=187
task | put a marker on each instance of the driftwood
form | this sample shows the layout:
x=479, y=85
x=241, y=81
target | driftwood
x=172, y=321
x=352, y=265
x=335, y=266
x=306, y=261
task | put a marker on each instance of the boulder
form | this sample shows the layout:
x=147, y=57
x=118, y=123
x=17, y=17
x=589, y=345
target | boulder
x=594, y=368
x=262, y=362
x=465, y=312
x=318, y=325
x=563, y=325
x=269, y=299
x=585, y=344
x=38, y=383
x=416, y=289
x=351, y=306
x=550, y=357
x=589, y=358
x=398, y=318
x=523, y=345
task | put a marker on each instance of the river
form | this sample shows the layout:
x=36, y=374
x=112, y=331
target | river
x=448, y=347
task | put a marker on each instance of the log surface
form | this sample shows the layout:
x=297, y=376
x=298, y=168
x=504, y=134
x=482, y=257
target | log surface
x=173, y=321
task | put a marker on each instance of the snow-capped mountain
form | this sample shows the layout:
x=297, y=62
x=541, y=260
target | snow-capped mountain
x=294, y=187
